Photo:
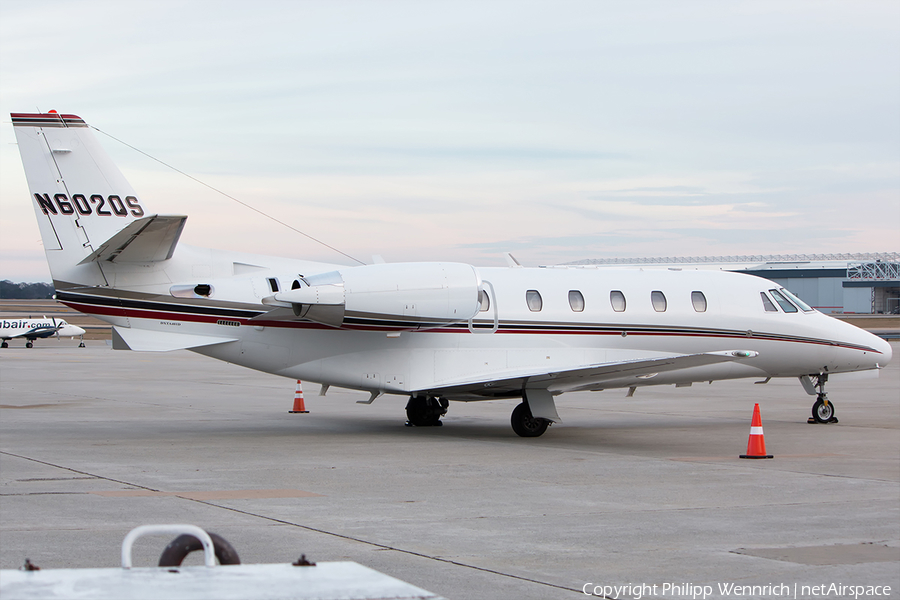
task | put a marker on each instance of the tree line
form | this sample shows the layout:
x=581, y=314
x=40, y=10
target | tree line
x=25, y=291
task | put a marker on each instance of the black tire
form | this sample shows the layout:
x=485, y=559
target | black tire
x=29, y=344
x=821, y=412
x=424, y=412
x=185, y=543
x=526, y=425
x=4, y=344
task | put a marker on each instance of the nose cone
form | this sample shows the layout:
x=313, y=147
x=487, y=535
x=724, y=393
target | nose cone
x=71, y=331
x=883, y=346
x=878, y=351
x=853, y=348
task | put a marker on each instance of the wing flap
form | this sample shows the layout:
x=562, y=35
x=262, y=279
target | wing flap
x=149, y=239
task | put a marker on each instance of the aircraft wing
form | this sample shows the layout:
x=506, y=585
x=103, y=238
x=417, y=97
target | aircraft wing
x=34, y=332
x=149, y=239
x=583, y=378
x=17, y=335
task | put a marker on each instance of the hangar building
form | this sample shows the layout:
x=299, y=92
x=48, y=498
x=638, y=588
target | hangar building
x=865, y=283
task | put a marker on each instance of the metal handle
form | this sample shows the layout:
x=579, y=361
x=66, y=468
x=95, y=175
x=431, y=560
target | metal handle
x=209, y=552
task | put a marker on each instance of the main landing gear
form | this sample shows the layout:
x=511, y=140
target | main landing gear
x=525, y=425
x=822, y=409
x=426, y=411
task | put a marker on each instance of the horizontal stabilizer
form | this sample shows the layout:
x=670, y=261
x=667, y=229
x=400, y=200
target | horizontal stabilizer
x=149, y=239
x=144, y=340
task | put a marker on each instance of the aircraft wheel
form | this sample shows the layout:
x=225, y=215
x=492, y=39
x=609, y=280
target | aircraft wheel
x=29, y=344
x=4, y=344
x=425, y=412
x=821, y=412
x=526, y=425
x=184, y=544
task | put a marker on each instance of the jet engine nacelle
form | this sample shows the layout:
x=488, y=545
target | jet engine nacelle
x=403, y=295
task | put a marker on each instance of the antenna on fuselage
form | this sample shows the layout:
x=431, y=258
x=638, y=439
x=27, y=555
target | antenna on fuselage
x=511, y=261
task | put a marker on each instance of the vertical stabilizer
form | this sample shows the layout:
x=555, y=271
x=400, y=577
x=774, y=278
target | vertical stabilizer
x=80, y=197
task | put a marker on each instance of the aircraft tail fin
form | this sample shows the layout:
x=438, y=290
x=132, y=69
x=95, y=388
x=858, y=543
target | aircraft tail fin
x=87, y=211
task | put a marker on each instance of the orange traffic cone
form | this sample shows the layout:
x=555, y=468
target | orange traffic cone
x=756, y=445
x=299, y=407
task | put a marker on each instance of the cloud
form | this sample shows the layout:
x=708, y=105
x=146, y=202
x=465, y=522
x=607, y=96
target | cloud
x=449, y=130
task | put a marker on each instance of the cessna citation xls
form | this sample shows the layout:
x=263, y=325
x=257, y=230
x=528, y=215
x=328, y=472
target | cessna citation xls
x=432, y=331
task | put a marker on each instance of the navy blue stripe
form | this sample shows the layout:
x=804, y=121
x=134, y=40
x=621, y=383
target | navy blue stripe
x=157, y=306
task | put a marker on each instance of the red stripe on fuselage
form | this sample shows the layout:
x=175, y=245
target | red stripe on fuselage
x=213, y=319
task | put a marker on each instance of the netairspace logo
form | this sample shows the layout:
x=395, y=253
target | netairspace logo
x=636, y=591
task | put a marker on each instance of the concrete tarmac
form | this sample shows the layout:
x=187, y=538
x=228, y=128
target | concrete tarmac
x=643, y=490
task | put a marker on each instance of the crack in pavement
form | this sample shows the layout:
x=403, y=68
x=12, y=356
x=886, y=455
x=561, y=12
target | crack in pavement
x=308, y=528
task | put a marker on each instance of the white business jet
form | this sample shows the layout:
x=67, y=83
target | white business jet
x=32, y=329
x=432, y=331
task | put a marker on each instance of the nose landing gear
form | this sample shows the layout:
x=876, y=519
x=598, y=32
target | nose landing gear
x=822, y=409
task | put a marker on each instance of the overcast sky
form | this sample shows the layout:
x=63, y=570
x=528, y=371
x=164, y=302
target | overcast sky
x=457, y=131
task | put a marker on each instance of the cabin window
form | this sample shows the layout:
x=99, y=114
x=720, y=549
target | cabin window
x=783, y=302
x=699, y=301
x=295, y=285
x=273, y=285
x=659, y=301
x=617, y=299
x=534, y=301
x=767, y=303
x=576, y=301
x=484, y=301
x=793, y=298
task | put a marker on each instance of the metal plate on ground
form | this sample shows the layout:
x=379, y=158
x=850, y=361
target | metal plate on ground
x=325, y=581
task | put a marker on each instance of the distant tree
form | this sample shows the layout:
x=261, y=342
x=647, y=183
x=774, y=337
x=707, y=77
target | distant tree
x=25, y=291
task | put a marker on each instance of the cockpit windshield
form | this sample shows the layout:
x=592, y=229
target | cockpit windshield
x=783, y=302
x=793, y=298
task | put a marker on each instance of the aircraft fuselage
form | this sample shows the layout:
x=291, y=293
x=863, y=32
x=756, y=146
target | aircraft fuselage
x=585, y=316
